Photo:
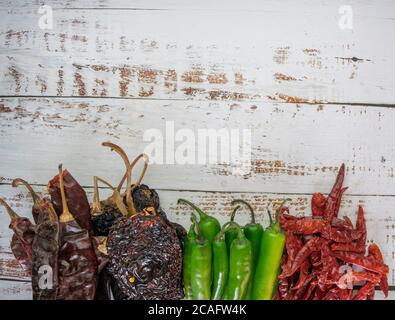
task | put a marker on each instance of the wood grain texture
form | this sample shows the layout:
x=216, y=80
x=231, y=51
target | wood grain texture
x=313, y=95
x=264, y=54
x=295, y=148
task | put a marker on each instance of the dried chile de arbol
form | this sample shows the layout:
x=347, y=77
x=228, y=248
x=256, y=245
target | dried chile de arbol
x=21, y=242
x=77, y=259
x=77, y=200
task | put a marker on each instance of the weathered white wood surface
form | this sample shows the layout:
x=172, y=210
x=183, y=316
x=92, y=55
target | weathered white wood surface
x=313, y=95
x=273, y=53
x=295, y=148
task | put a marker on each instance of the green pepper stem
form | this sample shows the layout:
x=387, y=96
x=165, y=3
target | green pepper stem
x=232, y=216
x=269, y=213
x=17, y=182
x=202, y=215
x=252, y=213
x=13, y=215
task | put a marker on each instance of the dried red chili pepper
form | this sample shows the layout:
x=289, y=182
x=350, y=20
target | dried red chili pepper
x=24, y=232
x=77, y=259
x=341, y=224
x=300, y=292
x=77, y=200
x=365, y=291
x=318, y=204
x=305, y=225
x=362, y=261
x=312, y=245
x=332, y=202
x=361, y=227
x=347, y=247
x=340, y=234
x=310, y=290
x=375, y=252
x=330, y=268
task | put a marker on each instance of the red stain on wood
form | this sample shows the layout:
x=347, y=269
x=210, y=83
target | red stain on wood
x=171, y=80
x=147, y=75
x=193, y=76
x=79, y=84
x=17, y=78
x=282, y=77
x=4, y=109
x=217, y=78
x=125, y=74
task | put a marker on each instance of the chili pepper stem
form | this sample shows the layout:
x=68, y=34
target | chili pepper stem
x=121, y=152
x=17, y=182
x=198, y=210
x=252, y=213
x=13, y=215
x=66, y=216
x=132, y=164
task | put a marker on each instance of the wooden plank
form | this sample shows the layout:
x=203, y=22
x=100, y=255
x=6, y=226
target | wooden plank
x=379, y=216
x=15, y=290
x=11, y=290
x=146, y=54
x=295, y=148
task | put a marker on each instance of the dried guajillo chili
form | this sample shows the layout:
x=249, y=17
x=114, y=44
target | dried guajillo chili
x=208, y=225
x=268, y=264
x=240, y=267
x=253, y=232
x=24, y=233
x=77, y=200
x=186, y=260
x=45, y=257
x=375, y=253
x=39, y=205
x=77, y=259
x=201, y=265
x=220, y=264
x=332, y=204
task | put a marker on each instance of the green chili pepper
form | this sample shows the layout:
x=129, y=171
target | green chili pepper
x=208, y=225
x=271, y=251
x=240, y=267
x=253, y=232
x=186, y=269
x=231, y=230
x=201, y=259
x=220, y=265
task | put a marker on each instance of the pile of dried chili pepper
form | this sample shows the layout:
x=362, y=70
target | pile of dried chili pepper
x=325, y=256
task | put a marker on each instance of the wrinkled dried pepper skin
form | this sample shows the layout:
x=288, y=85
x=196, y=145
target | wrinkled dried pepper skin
x=45, y=254
x=145, y=259
x=20, y=253
x=77, y=263
x=77, y=200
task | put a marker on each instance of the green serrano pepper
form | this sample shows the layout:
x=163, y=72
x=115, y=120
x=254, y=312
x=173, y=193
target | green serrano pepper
x=208, y=225
x=220, y=265
x=201, y=260
x=231, y=229
x=186, y=268
x=240, y=267
x=268, y=265
x=253, y=232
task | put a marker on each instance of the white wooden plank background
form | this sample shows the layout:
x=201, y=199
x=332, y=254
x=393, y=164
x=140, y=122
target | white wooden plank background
x=313, y=95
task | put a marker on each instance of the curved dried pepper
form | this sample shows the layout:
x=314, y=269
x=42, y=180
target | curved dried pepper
x=347, y=247
x=375, y=252
x=361, y=227
x=365, y=291
x=24, y=232
x=305, y=225
x=77, y=200
x=362, y=261
x=318, y=201
x=333, y=200
x=77, y=259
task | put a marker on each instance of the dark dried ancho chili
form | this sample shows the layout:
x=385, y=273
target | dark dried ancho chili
x=77, y=200
x=77, y=258
x=21, y=242
x=145, y=259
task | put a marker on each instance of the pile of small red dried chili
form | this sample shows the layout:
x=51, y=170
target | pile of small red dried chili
x=325, y=256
